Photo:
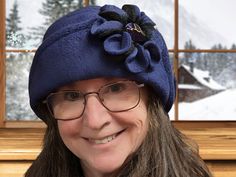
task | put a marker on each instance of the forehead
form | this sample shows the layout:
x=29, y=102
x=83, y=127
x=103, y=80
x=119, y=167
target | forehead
x=90, y=83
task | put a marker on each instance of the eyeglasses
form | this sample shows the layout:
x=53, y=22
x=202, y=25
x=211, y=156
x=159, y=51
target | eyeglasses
x=115, y=97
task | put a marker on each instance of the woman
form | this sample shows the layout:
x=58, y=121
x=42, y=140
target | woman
x=103, y=84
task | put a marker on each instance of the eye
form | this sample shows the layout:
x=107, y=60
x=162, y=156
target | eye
x=72, y=96
x=116, y=88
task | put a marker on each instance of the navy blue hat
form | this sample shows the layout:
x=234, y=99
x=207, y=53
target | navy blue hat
x=98, y=42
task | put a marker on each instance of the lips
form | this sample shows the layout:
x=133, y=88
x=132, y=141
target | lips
x=104, y=140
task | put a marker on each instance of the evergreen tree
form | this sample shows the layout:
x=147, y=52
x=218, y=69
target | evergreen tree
x=70, y=5
x=217, y=62
x=187, y=58
x=92, y=2
x=14, y=36
x=189, y=45
x=52, y=10
x=233, y=47
x=219, y=65
x=17, y=72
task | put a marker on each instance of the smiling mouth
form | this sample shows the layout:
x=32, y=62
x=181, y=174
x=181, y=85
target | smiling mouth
x=106, y=139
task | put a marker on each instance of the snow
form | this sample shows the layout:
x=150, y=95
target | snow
x=217, y=107
x=189, y=86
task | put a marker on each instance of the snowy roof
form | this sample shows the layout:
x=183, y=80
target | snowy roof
x=189, y=86
x=201, y=77
x=220, y=106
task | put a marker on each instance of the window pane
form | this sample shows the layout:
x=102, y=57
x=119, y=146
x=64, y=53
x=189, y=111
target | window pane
x=17, y=71
x=207, y=86
x=207, y=23
x=23, y=22
x=27, y=20
x=161, y=12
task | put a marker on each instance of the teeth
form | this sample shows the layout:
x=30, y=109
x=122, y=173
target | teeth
x=103, y=141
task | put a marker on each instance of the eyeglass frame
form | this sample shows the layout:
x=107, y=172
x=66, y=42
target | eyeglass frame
x=99, y=99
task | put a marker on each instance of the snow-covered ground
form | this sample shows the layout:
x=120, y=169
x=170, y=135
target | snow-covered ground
x=221, y=106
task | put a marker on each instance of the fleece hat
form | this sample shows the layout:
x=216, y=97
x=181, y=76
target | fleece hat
x=98, y=42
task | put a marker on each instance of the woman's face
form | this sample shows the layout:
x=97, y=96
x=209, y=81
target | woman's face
x=102, y=139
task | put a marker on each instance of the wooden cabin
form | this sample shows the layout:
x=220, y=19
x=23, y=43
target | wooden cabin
x=195, y=84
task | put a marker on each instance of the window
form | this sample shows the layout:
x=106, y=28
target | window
x=21, y=34
x=206, y=60
x=202, y=49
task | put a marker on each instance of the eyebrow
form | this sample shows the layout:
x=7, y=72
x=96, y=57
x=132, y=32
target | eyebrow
x=109, y=79
x=105, y=80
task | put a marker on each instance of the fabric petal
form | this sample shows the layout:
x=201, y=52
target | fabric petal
x=138, y=60
x=133, y=12
x=102, y=28
x=118, y=44
x=154, y=50
x=144, y=20
x=111, y=12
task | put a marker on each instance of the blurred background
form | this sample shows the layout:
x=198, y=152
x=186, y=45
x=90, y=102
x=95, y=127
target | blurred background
x=202, y=51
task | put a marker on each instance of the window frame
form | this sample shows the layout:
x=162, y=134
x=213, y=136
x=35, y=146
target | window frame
x=38, y=124
x=2, y=61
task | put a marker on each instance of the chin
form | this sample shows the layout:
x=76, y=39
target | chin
x=107, y=169
x=104, y=166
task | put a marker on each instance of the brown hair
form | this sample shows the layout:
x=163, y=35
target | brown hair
x=165, y=152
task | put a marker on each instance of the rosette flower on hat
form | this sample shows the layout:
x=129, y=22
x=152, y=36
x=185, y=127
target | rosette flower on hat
x=127, y=32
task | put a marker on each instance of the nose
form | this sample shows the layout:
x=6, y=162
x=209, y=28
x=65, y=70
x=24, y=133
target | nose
x=95, y=115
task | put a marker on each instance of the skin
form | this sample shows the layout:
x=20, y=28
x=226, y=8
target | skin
x=130, y=128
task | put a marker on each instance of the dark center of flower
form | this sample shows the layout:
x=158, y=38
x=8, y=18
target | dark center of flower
x=136, y=32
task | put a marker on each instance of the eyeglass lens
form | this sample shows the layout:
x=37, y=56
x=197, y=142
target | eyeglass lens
x=115, y=97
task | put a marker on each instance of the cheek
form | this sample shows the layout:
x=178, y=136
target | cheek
x=136, y=121
x=135, y=117
x=69, y=129
x=141, y=121
x=139, y=115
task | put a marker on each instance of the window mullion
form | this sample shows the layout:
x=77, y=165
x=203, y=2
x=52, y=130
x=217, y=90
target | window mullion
x=176, y=53
x=2, y=61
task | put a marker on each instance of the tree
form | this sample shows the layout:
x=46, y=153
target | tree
x=189, y=45
x=16, y=68
x=233, y=47
x=17, y=72
x=52, y=10
x=188, y=57
x=92, y=2
x=14, y=37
